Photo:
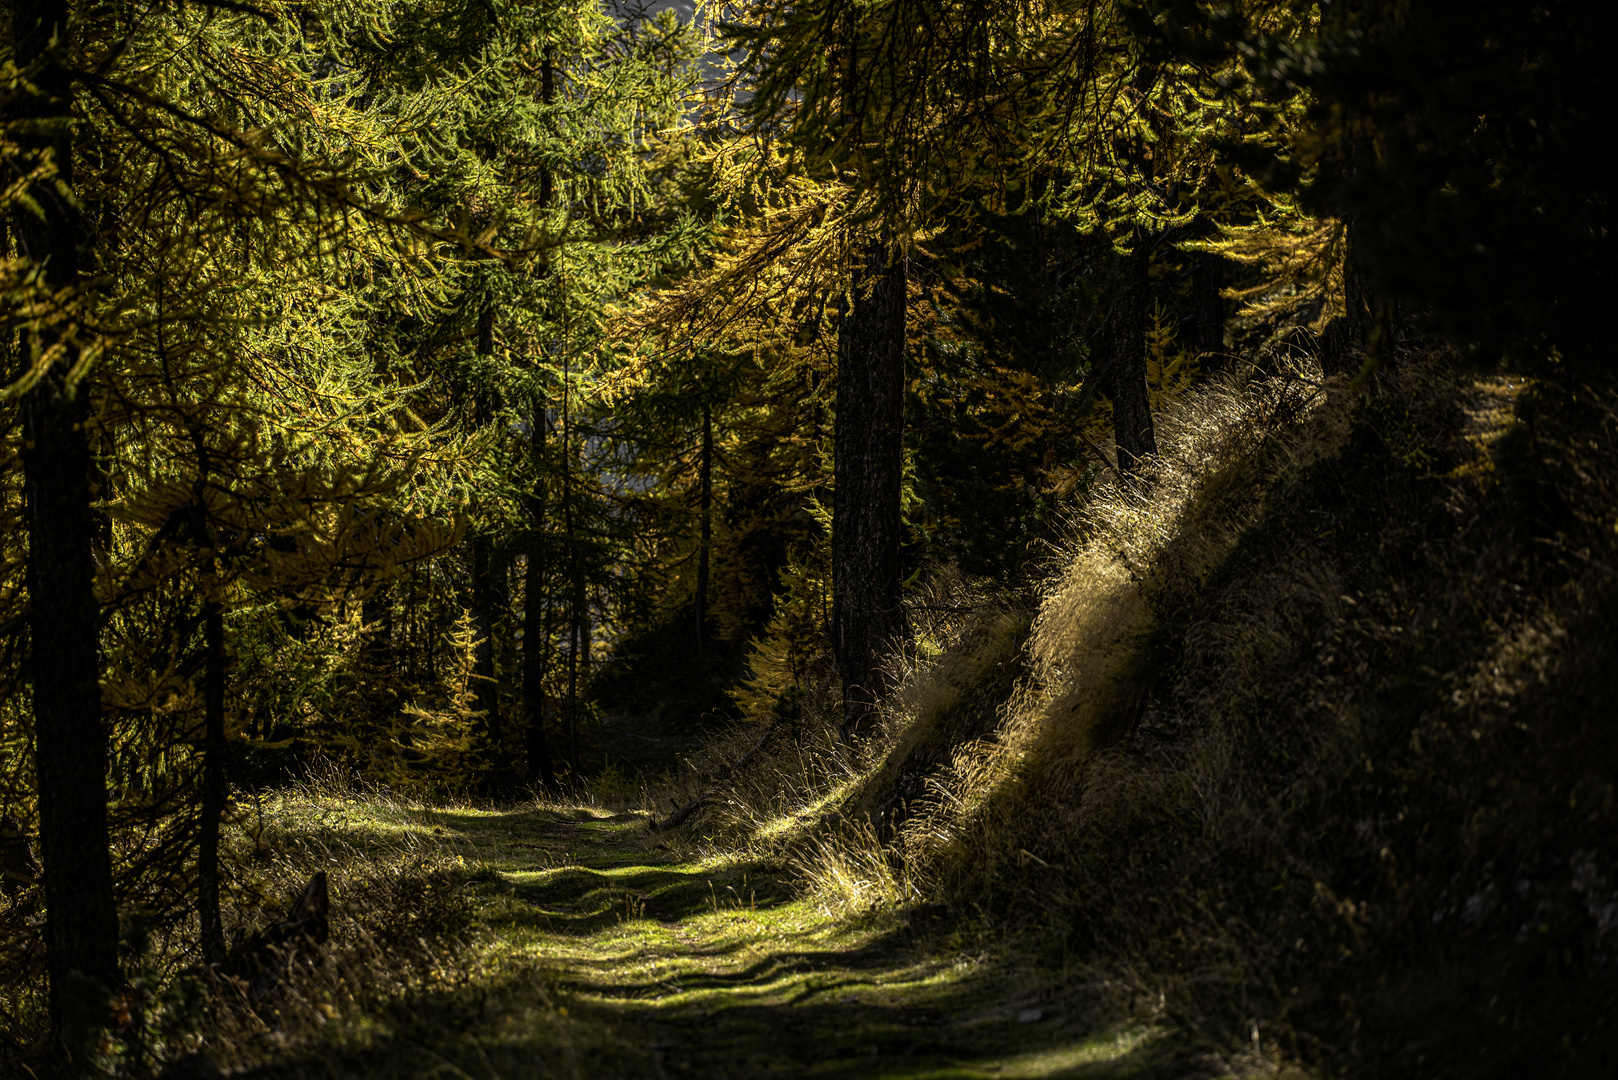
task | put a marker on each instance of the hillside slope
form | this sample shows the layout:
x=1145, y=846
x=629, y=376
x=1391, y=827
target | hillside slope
x=1309, y=750
x=1318, y=743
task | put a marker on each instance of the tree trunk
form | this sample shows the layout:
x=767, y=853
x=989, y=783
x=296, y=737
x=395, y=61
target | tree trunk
x=1208, y=309
x=705, y=501
x=1126, y=379
x=1345, y=341
x=547, y=96
x=536, y=632
x=545, y=661
x=575, y=582
x=573, y=697
x=376, y=613
x=213, y=776
x=71, y=743
x=486, y=695
x=412, y=632
x=483, y=588
x=867, y=620
x=437, y=620
x=379, y=660
x=535, y=625
x=578, y=657
x=540, y=769
x=1361, y=338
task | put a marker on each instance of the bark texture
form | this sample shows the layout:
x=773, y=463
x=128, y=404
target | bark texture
x=71, y=745
x=536, y=631
x=1126, y=379
x=1360, y=336
x=484, y=590
x=213, y=779
x=1344, y=342
x=867, y=622
x=578, y=636
x=578, y=663
x=536, y=624
x=1208, y=309
x=705, y=509
x=483, y=676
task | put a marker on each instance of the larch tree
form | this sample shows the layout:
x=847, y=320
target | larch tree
x=70, y=738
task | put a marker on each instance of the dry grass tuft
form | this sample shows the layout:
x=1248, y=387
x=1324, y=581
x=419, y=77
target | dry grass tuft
x=1132, y=542
x=849, y=869
x=400, y=925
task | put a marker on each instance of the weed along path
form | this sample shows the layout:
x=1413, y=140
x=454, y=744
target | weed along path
x=601, y=952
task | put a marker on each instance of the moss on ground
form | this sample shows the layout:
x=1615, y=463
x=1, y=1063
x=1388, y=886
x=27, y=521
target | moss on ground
x=602, y=953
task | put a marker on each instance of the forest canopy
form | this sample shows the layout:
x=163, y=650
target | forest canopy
x=454, y=392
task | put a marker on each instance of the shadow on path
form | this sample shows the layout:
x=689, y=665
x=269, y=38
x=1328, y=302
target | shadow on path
x=615, y=959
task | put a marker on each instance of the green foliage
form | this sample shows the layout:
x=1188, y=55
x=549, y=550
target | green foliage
x=473, y=367
x=297, y=222
x=790, y=657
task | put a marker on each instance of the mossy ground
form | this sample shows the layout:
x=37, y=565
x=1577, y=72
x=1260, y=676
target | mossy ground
x=603, y=953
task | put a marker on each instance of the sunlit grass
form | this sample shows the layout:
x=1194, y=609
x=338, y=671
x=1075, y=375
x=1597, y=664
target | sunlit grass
x=599, y=951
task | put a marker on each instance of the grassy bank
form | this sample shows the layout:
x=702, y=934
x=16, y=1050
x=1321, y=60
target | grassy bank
x=1308, y=741
x=588, y=946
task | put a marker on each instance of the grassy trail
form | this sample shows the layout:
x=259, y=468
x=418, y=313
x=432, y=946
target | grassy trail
x=604, y=954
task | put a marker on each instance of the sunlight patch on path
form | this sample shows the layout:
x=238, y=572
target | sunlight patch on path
x=716, y=968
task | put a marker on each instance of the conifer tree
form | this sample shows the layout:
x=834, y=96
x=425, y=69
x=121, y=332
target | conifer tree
x=192, y=229
x=70, y=740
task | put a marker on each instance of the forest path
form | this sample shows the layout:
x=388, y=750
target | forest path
x=608, y=955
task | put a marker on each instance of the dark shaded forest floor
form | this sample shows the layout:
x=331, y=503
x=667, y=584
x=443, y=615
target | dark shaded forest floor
x=605, y=954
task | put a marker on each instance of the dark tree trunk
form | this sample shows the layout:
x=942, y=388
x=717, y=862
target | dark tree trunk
x=535, y=624
x=573, y=698
x=379, y=659
x=437, y=628
x=540, y=769
x=536, y=632
x=705, y=501
x=209, y=921
x=545, y=663
x=376, y=613
x=484, y=592
x=71, y=743
x=1345, y=342
x=487, y=695
x=575, y=581
x=412, y=632
x=867, y=621
x=213, y=777
x=1208, y=309
x=1126, y=377
x=577, y=661
x=1359, y=338
x=547, y=96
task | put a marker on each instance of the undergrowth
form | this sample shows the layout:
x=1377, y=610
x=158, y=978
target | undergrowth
x=400, y=926
x=1305, y=748
x=397, y=881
